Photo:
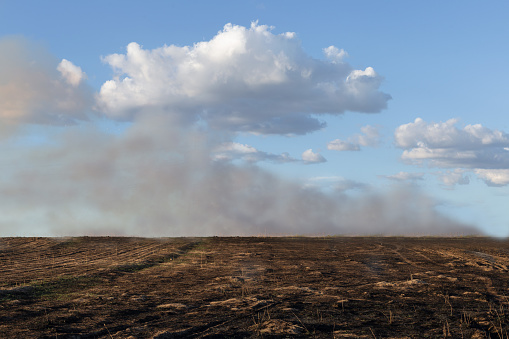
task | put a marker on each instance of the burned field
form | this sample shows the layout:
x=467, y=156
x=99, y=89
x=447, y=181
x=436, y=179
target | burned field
x=332, y=287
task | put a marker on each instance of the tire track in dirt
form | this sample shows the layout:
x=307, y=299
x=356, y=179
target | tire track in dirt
x=474, y=259
x=51, y=259
x=397, y=250
x=375, y=267
x=419, y=253
x=213, y=328
x=404, y=258
x=479, y=261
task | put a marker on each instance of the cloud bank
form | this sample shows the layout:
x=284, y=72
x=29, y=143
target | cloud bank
x=476, y=148
x=242, y=80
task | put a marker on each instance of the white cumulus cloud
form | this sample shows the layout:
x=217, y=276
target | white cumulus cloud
x=447, y=135
x=243, y=79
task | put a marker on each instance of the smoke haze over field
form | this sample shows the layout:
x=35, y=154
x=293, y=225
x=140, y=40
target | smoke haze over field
x=159, y=179
x=175, y=168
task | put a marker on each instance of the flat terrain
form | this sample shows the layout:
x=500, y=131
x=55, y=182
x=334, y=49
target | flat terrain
x=332, y=287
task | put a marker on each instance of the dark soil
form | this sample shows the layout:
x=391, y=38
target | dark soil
x=329, y=287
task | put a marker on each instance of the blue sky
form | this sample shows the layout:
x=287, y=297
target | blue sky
x=368, y=117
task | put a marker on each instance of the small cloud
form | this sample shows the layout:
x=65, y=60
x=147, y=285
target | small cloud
x=71, y=73
x=334, y=54
x=369, y=137
x=369, y=72
x=339, y=145
x=309, y=157
x=454, y=177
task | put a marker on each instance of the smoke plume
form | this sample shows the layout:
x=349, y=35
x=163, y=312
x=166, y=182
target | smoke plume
x=159, y=179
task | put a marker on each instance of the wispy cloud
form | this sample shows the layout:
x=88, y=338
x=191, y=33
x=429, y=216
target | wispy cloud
x=457, y=176
x=233, y=150
x=336, y=184
x=404, y=176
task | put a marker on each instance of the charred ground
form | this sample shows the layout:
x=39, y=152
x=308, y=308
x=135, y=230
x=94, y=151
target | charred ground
x=328, y=287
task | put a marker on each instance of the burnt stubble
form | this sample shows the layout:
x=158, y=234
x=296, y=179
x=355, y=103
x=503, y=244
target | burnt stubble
x=238, y=287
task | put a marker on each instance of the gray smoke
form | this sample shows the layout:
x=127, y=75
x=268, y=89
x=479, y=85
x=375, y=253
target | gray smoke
x=37, y=88
x=159, y=179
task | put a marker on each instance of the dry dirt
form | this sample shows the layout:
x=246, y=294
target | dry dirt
x=332, y=287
